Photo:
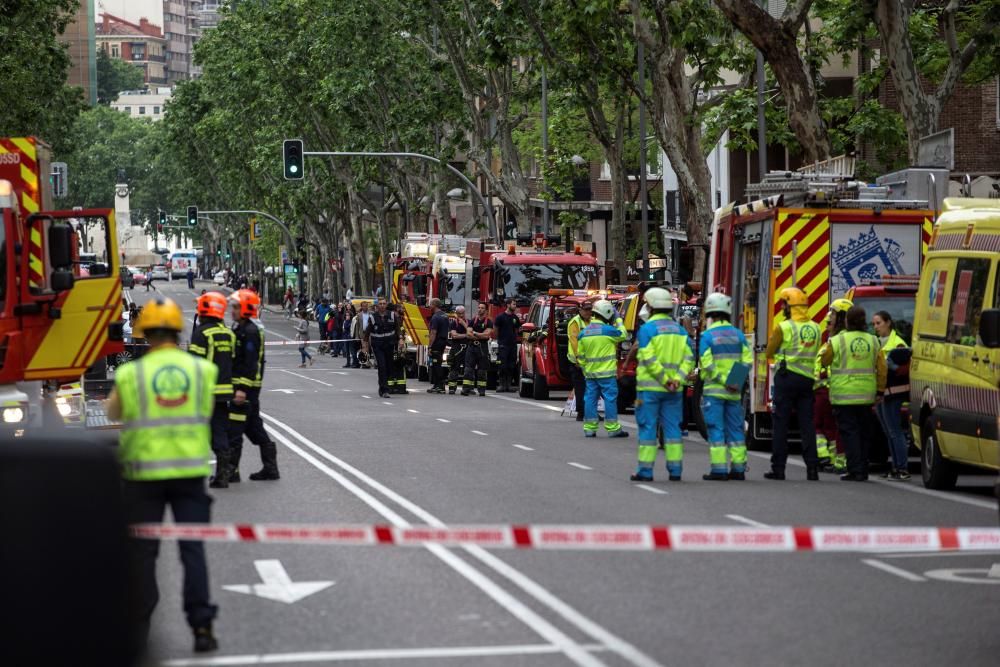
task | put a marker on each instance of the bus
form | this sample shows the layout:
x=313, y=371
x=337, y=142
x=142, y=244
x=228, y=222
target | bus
x=181, y=261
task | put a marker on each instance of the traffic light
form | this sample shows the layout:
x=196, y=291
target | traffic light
x=294, y=164
x=162, y=221
x=192, y=216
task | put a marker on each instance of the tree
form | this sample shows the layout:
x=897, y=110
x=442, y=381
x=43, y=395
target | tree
x=114, y=76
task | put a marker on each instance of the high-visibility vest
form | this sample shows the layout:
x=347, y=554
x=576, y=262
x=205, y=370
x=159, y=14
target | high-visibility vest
x=821, y=372
x=799, y=346
x=573, y=329
x=167, y=398
x=722, y=346
x=597, y=350
x=892, y=341
x=664, y=354
x=853, y=379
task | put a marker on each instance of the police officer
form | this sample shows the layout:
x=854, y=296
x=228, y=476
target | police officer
x=383, y=334
x=724, y=360
x=597, y=353
x=477, y=354
x=665, y=359
x=214, y=341
x=857, y=382
x=458, y=336
x=793, y=345
x=508, y=328
x=164, y=401
x=576, y=324
x=248, y=376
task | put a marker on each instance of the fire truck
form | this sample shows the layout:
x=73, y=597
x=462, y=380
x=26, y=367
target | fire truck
x=56, y=317
x=827, y=234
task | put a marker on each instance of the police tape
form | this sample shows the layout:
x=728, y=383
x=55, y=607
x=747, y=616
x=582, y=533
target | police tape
x=594, y=538
x=328, y=341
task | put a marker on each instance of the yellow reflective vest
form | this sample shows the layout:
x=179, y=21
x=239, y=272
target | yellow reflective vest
x=799, y=347
x=665, y=354
x=597, y=350
x=853, y=372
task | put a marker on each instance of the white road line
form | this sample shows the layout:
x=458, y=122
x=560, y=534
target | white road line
x=480, y=433
x=939, y=554
x=306, y=377
x=578, y=465
x=742, y=519
x=527, y=449
x=515, y=607
x=416, y=412
x=386, y=403
x=614, y=643
x=651, y=489
x=346, y=390
x=374, y=654
x=444, y=421
x=534, y=404
x=365, y=396
x=892, y=569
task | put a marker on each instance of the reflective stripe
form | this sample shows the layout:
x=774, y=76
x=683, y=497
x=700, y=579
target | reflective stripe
x=139, y=466
x=597, y=360
x=237, y=417
x=600, y=375
x=163, y=421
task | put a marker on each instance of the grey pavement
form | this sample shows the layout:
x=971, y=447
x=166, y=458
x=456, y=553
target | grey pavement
x=347, y=456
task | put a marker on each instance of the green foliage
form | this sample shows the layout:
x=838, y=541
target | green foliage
x=114, y=76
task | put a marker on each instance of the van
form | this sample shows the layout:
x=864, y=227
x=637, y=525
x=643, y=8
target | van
x=181, y=261
x=955, y=367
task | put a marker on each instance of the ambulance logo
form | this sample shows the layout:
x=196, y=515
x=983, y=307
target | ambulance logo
x=808, y=335
x=861, y=349
x=171, y=385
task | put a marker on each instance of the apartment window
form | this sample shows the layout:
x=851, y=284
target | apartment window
x=156, y=111
x=142, y=111
x=127, y=110
x=115, y=52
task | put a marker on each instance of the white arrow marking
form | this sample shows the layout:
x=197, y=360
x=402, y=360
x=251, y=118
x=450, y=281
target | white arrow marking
x=278, y=585
x=285, y=391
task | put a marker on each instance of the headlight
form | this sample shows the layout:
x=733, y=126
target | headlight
x=64, y=408
x=13, y=415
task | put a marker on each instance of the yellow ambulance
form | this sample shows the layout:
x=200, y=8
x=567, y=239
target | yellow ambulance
x=955, y=367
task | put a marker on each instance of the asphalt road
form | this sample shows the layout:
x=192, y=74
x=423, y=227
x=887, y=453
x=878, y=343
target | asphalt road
x=347, y=456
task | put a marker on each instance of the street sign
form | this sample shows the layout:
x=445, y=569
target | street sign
x=654, y=263
x=254, y=229
x=60, y=174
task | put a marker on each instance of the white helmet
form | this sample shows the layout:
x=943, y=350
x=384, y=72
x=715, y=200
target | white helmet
x=604, y=309
x=645, y=313
x=719, y=303
x=657, y=297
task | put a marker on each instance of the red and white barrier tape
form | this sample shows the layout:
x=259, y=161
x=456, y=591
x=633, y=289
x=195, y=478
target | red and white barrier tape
x=594, y=538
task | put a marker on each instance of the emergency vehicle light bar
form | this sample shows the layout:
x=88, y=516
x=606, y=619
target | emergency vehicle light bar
x=561, y=292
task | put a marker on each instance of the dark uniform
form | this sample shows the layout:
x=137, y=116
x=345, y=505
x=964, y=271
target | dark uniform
x=397, y=374
x=456, y=355
x=508, y=326
x=383, y=333
x=477, y=359
x=215, y=342
x=248, y=375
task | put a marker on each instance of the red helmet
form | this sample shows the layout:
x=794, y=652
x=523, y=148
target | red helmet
x=212, y=304
x=248, y=301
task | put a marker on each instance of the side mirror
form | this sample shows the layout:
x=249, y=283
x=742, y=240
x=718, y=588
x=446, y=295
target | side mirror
x=989, y=327
x=60, y=246
x=99, y=269
x=61, y=280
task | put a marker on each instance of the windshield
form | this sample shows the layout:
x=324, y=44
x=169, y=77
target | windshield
x=453, y=288
x=900, y=308
x=526, y=281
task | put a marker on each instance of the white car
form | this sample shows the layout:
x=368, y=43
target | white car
x=160, y=272
x=219, y=278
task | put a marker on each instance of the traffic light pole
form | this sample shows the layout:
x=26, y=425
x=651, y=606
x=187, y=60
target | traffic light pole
x=420, y=156
x=284, y=228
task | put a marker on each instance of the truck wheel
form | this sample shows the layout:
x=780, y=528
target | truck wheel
x=936, y=471
x=539, y=388
x=524, y=388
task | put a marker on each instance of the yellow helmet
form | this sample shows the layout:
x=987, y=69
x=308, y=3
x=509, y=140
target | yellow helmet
x=841, y=305
x=159, y=314
x=794, y=296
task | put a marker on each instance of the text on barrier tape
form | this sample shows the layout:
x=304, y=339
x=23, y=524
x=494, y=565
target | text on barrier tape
x=594, y=538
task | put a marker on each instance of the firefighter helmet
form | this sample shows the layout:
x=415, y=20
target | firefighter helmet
x=212, y=304
x=719, y=303
x=248, y=302
x=841, y=305
x=604, y=309
x=794, y=296
x=659, y=298
x=161, y=314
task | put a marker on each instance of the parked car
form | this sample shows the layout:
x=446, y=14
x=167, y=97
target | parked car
x=160, y=272
x=219, y=278
x=138, y=275
x=128, y=280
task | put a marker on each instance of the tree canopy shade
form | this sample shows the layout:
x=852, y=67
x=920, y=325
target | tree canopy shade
x=114, y=76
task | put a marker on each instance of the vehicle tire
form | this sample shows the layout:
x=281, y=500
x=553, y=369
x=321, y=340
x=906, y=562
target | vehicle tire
x=539, y=388
x=936, y=471
x=524, y=388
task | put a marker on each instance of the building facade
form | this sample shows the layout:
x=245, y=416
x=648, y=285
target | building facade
x=141, y=44
x=82, y=48
x=179, y=24
x=142, y=103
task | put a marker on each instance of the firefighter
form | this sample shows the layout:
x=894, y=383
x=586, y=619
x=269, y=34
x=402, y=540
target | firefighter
x=829, y=448
x=383, y=336
x=248, y=376
x=666, y=358
x=397, y=374
x=214, y=341
x=578, y=323
x=164, y=401
x=857, y=382
x=439, y=328
x=597, y=354
x=724, y=360
x=508, y=329
x=477, y=354
x=458, y=335
x=793, y=345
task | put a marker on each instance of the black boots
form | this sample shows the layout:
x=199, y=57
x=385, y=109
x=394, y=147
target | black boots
x=775, y=474
x=269, y=457
x=222, y=472
x=812, y=473
x=204, y=640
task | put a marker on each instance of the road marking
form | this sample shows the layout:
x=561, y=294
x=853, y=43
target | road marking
x=386, y=403
x=967, y=575
x=892, y=569
x=579, y=465
x=416, y=412
x=306, y=377
x=651, y=489
x=444, y=421
x=567, y=645
x=340, y=373
x=346, y=390
x=935, y=554
x=742, y=519
x=375, y=654
x=480, y=433
x=527, y=449
x=531, y=403
x=286, y=391
x=278, y=585
x=365, y=396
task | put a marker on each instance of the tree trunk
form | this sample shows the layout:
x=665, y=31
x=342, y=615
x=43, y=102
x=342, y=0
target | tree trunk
x=619, y=196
